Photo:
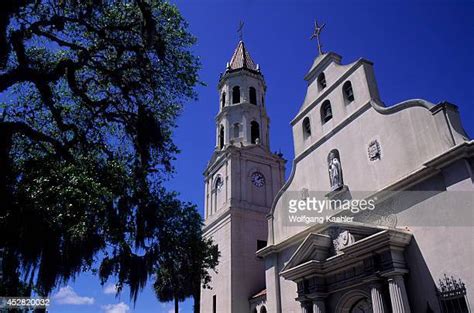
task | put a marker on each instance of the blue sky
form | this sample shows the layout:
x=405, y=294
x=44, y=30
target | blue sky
x=421, y=49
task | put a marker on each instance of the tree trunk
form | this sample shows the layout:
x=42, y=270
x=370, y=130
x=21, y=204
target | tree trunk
x=41, y=310
x=176, y=305
x=197, y=300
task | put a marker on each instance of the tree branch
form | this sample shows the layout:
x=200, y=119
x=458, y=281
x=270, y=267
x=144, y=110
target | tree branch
x=12, y=128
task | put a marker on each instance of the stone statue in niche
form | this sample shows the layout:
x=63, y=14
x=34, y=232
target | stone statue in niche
x=335, y=170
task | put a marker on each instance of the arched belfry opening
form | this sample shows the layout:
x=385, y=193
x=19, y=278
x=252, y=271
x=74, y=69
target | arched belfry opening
x=326, y=111
x=221, y=137
x=236, y=95
x=306, y=127
x=348, y=91
x=253, y=95
x=254, y=132
x=223, y=99
x=321, y=81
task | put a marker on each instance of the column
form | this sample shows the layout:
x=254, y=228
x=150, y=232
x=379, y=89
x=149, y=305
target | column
x=319, y=306
x=304, y=309
x=206, y=193
x=376, y=296
x=245, y=130
x=306, y=306
x=227, y=132
x=398, y=294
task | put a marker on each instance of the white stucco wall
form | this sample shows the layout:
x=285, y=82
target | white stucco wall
x=411, y=136
x=408, y=137
x=221, y=279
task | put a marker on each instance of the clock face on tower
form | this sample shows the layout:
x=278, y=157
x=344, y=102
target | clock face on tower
x=258, y=179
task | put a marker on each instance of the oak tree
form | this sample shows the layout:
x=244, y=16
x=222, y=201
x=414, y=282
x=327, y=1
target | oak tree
x=89, y=95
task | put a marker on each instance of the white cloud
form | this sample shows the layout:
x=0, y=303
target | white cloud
x=110, y=289
x=67, y=295
x=116, y=308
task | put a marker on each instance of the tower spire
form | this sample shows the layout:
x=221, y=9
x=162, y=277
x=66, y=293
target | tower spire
x=242, y=59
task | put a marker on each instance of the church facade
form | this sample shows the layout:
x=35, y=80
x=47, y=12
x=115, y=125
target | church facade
x=376, y=216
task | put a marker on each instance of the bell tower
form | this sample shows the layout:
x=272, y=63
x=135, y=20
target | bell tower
x=242, y=119
x=241, y=180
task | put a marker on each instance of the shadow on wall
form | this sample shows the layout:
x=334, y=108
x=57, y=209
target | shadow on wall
x=421, y=287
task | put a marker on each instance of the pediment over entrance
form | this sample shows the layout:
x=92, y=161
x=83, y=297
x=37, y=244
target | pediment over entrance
x=315, y=247
x=365, y=250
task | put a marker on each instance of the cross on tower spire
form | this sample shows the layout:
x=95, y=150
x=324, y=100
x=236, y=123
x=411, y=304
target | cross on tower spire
x=316, y=32
x=240, y=30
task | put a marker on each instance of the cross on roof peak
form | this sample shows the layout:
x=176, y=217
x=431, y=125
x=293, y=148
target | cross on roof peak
x=316, y=33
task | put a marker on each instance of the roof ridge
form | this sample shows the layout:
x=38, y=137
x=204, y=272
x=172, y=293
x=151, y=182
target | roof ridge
x=244, y=55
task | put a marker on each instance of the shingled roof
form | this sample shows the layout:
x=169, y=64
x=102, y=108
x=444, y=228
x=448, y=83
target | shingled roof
x=241, y=59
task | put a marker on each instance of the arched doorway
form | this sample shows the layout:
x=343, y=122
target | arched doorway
x=361, y=306
x=355, y=301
